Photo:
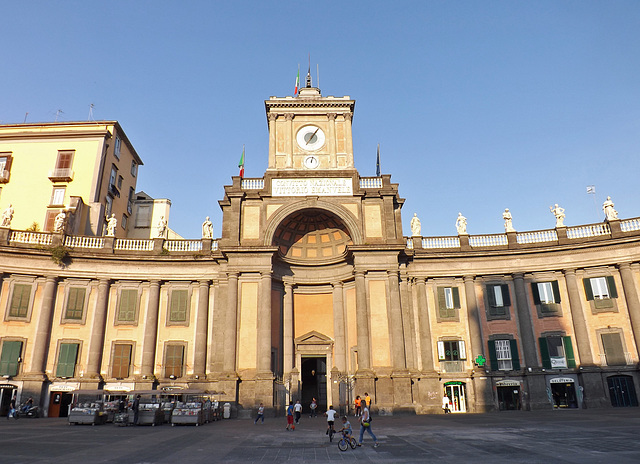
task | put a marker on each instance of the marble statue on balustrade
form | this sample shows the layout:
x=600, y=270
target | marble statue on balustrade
x=112, y=223
x=7, y=216
x=461, y=224
x=207, y=228
x=609, y=212
x=508, y=224
x=162, y=227
x=558, y=212
x=416, y=227
x=58, y=222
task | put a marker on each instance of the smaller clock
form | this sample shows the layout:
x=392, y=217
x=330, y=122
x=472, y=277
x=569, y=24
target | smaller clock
x=311, y=162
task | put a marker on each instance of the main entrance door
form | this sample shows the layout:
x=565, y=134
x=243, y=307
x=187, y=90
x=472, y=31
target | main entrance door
x=314, y=382
x=508, y=397
x=457, y=399
x=59, y=404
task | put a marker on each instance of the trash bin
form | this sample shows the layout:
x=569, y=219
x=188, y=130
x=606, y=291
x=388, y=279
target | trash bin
x=227, y=411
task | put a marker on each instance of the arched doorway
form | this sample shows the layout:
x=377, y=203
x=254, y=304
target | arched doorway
x=622, y=391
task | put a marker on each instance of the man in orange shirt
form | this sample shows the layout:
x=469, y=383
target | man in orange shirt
x=358, y=403
x=367, y=400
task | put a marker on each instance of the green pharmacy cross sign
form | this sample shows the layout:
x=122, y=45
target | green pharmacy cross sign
x=480, y=360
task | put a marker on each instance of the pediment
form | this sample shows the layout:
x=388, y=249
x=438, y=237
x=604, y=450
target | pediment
x=313, y=338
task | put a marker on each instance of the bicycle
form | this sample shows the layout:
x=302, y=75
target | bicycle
x=331, y=433
x=346, y=441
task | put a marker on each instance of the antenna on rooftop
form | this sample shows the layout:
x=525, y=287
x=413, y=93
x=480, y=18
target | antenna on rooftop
x=317, y=75
x=91, y=106
x=25, y=117
x=58, y=113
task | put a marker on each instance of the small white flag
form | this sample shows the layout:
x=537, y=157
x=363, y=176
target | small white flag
x=591, y=189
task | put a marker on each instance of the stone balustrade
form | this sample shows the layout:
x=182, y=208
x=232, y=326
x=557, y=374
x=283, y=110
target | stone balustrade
x=370, y=182
x=252, y=184
x=488, y=240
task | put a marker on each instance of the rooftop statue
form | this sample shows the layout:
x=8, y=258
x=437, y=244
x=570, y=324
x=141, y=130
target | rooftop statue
x=207, y=228
x=461, y=224
x=558, y=212
x=7, y=216
x=162, y=227
x=508, y=225
x=58, y=222
x=416, y=227
x=112, y=222
x=609, y=212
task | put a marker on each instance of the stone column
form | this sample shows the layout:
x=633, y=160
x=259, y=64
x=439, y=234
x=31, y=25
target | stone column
x=579, y=320
x=287, y=328
x=340, y=358
x=231, y=323
x=426, y=345
x=631, y=297
x=475, y=329
x=202, y=319
x=525, y=325
x=216, y=359
x=264, y=324
x=362, y=317
x=347, y=122
x=332, y=139
x=43, y=327
x=150, y=336
x=272, y=140
x=395, y=319
x=407, y=321
x=289, y=140
x=96, y=344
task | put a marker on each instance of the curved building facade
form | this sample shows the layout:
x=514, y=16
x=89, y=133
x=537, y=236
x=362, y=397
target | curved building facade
x=313, y=291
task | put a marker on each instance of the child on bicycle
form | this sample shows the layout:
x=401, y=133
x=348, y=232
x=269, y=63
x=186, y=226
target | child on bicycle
x=346, y=429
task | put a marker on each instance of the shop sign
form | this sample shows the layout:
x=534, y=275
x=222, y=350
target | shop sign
x=507, y=383
x=7, y=386
x=64, y=387
x=119, y=387
x=320, y=187
x=172, y=388
x=561, y=380
x=454, y=383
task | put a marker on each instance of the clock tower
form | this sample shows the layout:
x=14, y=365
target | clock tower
x=310, y=132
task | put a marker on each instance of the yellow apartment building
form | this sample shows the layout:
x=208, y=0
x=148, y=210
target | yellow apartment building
x=86, y=169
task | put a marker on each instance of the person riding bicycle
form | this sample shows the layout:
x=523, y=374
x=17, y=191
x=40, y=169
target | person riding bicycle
x=346, y=429
x=331, y=417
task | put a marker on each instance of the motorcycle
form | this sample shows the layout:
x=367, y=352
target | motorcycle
x=29, y=411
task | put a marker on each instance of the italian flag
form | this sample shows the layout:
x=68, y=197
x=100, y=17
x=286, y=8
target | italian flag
x=241, y=163
x=295, y=92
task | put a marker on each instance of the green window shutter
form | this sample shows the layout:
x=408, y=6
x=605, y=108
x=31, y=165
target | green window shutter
x=491, y=296
x=613, y=349
x=456, y=297
x=178, y=310
x=556, y=291
x=544, y=352
x=128, y=303
x=568, y=350
x=20, y=300
x=515, y=358
x=493, y=357
x=67, y=360
x=442, y=304
x=75, y=303
x=506, y=299
x=587, y=288
x=121, y=361
x=174, y=360
x=613, y=292
x=535, y=293
x=9, y=358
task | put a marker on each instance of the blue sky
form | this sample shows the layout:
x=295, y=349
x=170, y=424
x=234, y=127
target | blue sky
x=477, y=106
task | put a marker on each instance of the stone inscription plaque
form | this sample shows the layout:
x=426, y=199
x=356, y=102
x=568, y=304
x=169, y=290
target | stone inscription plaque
x=322, y=187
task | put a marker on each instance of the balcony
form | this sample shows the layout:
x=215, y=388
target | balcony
x=451, y=367
x=4, y=176
x=113, y=190
x=61, y=175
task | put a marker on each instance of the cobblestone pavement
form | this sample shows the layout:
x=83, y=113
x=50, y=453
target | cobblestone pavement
x=609, y=436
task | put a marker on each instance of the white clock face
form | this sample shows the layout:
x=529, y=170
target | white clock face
x=311, y=162
x=310, y=138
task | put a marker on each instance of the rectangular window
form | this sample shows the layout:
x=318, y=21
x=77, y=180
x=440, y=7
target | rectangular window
x=599, y=287
x=498, y=299
x=123, y=223
x=108, y=206
x=143, y=216
x=65, y=160
x=10, y=358
x=49, y=220
x=5, y=166
x=179, y=305
x=130, y=200
x=75, y=303
x=546, y=296
x=120, y=179
x=121, y=360
x=57, y=196
x=117, y=146
x=128, y=305
x=67, y=360
x=546, y=292
x=174, y=358
x=451, y=350
x=134, y=168
x=448, y=301
x=19, y=306
x=113, y=176
x=613, y=349
x=503, y=355
x=557, y=352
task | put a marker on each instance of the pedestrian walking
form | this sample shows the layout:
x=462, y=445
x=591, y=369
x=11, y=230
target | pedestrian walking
x=446, y=404
x=260, y=414
x=358, y=405
x=290, y=425
x=136, y=409
x=365, y=424
x=297, y=410
x=313, y=406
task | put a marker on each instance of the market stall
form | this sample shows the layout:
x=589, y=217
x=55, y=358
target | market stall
x=88, y=407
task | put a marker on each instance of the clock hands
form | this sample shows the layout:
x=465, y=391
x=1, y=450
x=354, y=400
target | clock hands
x=313, y=135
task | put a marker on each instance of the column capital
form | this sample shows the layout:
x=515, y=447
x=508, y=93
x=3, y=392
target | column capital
x=232, y=274
x=288, y=281
x=289, y=116
x=569, y=272
x=348, y=116
x=625, y=266
x=518, y=275
x=204, y=283
x=272, y=117
x=420, y=280
x=331, y=116
x=264, y=274
x=359, y=273
x=337, y=284
x=468, y=278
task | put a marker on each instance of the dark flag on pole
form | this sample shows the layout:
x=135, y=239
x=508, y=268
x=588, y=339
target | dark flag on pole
x=378, y=162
